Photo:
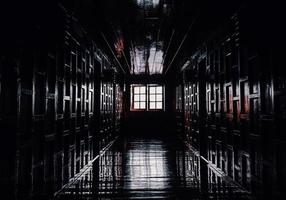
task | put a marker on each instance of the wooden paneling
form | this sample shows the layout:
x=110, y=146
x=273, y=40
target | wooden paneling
x=229, y=91
x=49, y=94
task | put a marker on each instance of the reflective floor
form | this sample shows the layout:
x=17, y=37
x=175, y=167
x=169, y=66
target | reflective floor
x=151, y=168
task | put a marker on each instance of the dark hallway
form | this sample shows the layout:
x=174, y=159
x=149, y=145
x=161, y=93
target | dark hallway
x=151, y=168
x=142, y=99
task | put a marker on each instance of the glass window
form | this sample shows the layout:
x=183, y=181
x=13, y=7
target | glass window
x=139, y=97
x=139, y=94
x=155, y=97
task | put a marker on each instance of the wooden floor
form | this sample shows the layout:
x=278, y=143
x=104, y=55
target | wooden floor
x=150, y=168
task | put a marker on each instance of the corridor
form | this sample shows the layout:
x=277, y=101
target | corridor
x=142, y=99
x=151, y=168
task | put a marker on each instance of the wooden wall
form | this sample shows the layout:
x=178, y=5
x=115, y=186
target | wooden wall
x=61, y=103
x=230, y=105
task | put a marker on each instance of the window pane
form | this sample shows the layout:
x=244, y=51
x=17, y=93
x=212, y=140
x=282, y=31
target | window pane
x=136, y=105
x=159, y=89
x=142, y=105
x=152, y=98
x=152, y=90
x=159, y=105
x=136, y=98
x=152, y=105
x=143, y=97
x=159, y=97
x=142, y=90
x=140, y=100
x=136, y=90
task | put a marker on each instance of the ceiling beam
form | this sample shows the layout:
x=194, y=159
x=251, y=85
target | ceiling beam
x=180, y=46
x=169, y=44
x=112, y=52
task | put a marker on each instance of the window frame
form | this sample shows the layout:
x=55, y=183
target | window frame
x=147, y=97
x=155, y=95
x=139, y=94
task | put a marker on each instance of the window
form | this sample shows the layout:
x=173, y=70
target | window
x=147, y=97
x=139, y=97
x=155, y=97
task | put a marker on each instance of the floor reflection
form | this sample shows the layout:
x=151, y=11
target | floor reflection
x=148, y=168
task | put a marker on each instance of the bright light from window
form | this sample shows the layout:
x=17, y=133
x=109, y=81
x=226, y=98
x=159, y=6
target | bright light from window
x=139, y=94
x=155, y=97
x=148, y=3
x=155, y=61
x=139, y=97
x=147, y=167
x=156, y=2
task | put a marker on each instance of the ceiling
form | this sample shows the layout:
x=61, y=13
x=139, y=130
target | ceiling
x=150, y=36
x=142, y=37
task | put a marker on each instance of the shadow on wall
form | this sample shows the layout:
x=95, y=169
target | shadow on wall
x=153, y=123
